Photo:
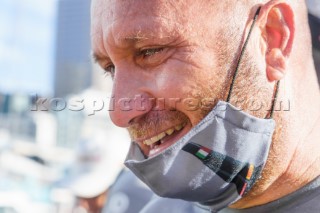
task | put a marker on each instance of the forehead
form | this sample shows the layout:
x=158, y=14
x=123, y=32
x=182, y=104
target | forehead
x=121, y=19
x=112, y=10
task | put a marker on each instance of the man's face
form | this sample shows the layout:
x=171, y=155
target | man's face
x=170, y=62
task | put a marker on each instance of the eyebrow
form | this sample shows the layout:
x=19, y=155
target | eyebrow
x=97, y=58
x=134, y=38
x=140, y=36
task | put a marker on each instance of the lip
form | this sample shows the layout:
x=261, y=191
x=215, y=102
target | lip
x=167, y=142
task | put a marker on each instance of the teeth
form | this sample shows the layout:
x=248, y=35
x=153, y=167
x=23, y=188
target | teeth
x=170, y=131
x=162, y=135
x=178, y=127
x=148, y=142
x=154, y=139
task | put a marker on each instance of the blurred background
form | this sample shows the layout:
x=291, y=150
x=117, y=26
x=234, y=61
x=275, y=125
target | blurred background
x=54, y=124
x=55, y=133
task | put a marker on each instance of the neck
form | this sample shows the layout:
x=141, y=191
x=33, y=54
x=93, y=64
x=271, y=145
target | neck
x=294, y=158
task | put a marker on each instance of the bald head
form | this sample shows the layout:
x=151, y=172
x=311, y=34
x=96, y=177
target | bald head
x=160, y=49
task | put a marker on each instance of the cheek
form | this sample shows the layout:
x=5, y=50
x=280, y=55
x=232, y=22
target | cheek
x=177, y=79
x=189, y=78
x=183, y=86
x=186, y=71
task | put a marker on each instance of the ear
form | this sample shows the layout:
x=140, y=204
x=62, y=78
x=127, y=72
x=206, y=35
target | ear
x=277, y=25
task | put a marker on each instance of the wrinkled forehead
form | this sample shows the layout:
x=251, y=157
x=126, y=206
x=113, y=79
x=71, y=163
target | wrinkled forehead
x=107, y=12
x=116, y=18
x=117, y=9
x=122, y=8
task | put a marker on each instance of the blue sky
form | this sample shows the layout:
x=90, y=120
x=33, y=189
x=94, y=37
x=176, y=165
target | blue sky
x=27, y=34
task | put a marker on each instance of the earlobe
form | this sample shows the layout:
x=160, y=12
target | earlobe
x=278, y=33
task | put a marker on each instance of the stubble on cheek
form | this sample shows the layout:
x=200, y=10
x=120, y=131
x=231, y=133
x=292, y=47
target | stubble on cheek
x=156, y=121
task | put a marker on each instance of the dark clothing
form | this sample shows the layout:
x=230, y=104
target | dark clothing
x=314, y=23
x=306, y=200
x=127, y=195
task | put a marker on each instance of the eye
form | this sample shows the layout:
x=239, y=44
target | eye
x=150, y=52
x=110, y=70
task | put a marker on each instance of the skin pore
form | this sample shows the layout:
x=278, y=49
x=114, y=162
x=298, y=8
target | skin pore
x=168, y=50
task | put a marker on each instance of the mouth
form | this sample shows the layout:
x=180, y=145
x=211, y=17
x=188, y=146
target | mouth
x=156, y=144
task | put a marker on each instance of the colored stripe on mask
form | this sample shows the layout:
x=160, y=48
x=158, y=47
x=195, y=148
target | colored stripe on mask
x=229, y=169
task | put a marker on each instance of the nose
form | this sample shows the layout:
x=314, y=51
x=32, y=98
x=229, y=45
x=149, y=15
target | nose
x=130, y=97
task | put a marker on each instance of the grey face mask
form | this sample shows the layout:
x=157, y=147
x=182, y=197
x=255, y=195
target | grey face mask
x=216, y=162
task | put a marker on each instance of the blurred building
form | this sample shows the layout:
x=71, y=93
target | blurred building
x=45, y=46
x=45, y=55
x=69, y=128
x=72, y=55
x=14, y=116
x=27, y=45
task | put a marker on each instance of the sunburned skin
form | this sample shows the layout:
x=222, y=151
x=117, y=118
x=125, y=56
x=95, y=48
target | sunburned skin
x=156, y=64
x=174, y=50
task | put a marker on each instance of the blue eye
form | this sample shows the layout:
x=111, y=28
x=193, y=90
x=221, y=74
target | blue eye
x=150, y=52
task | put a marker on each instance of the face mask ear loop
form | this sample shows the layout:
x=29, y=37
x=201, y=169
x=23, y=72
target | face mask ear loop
x=274, y=99
x=241, y=54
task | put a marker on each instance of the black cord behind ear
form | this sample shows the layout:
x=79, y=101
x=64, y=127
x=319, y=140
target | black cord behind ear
x=242, y=53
